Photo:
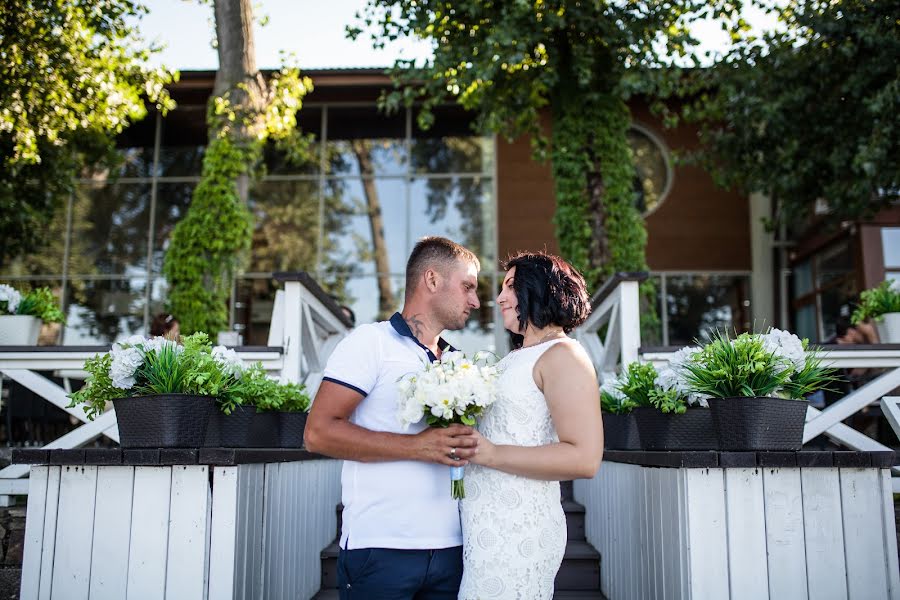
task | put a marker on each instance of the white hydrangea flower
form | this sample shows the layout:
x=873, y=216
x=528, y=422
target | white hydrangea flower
x=787, y=346
x=125, y=362
x=672, y=376
x=159, y=342
x=228, y=360
x=610, y=386
x=12, y=297
x=895, y=286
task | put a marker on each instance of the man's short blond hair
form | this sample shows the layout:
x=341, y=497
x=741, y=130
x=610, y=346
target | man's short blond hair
x=434, y=252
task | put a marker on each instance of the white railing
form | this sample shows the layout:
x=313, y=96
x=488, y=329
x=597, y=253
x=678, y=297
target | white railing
x=306, y=324
x=616, y=305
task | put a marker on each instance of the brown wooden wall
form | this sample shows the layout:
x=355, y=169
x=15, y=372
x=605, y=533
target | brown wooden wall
x=698, y=227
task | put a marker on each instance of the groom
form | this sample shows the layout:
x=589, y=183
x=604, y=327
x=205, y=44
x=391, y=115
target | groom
x=401, y=534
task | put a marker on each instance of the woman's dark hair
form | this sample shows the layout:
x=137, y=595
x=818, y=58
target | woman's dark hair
x=549, y=290
x=162, y=323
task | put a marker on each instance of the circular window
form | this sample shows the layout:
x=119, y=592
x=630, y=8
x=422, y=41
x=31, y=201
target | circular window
x=653, y=171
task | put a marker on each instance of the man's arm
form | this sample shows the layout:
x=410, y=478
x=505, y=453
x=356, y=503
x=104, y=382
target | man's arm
x=330, y=432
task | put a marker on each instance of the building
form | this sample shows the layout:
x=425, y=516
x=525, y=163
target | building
x=714, y=263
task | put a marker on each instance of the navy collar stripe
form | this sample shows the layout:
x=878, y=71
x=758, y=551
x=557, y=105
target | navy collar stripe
x=402, y=327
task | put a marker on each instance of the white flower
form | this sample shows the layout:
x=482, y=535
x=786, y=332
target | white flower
x=158, y=343
x=125, y=362
x=228, y=359
x=672, y=376
x=895, y=286
x=11, y=296
x=786, y=346
x=446, y=389
x=611, y=386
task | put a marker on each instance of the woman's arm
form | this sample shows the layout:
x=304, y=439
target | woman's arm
x=566, y=376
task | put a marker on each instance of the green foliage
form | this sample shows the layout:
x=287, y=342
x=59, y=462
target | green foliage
x=167, y=369
x=210, y=244
x=255, y=388
x=808, y=112
x=41, y=303
x=614, y=403
x=876, y=302
x=72, y=75
x=742, y=367
x=98, y=388
x=638, y=383
x=811, y=378
x=512, y=62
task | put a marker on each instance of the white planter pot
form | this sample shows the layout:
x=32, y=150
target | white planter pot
x=19, y=330
x=889, y=328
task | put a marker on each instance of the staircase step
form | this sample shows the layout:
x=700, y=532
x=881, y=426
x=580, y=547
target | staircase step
x=573, y=595
x=574, y=519
x=562, y=595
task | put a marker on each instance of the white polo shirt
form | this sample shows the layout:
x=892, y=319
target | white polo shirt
x=399, y=504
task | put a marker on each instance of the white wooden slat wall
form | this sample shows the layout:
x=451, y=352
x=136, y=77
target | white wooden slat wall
x=824, y=534
x=148, y=545
x=188, y=545
x=112, y=522
x=866, y=560
x=48, y=546
x=755, y=533
x=34, y=529
x=132, y=533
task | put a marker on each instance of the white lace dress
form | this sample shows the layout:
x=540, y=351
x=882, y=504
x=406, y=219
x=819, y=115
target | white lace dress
x=514, y=528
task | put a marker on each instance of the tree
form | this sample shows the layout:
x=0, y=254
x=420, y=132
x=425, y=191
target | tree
x=72, y=75
x=515, y=63
x=211, y=243
x=809, y=112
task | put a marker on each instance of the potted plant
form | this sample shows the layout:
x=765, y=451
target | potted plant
x=21, y=315
x=882, y=305
x=757, y=386
x=259, y=412
x=619, y=428
x=163, y=392
x=667, y=416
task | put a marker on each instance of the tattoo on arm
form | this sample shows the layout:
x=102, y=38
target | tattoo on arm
x=416, y=325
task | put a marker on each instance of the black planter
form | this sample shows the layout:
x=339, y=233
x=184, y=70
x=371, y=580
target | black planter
x=163, y=420
x=691, y=430
x=291, y=426
x=620, y=432
x=243, y=428
x=758, y=423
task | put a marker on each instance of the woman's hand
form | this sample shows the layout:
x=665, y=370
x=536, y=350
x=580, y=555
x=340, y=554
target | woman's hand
x=485, y=452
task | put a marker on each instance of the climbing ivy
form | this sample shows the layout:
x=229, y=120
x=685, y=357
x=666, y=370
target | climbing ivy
x=211, y=244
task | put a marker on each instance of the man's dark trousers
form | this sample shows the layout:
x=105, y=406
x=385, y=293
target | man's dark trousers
x=389, y=574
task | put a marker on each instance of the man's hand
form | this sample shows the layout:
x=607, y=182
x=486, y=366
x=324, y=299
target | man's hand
x=452, y=446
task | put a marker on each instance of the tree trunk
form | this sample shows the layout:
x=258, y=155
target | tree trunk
x=386, y=302
x=238, y=79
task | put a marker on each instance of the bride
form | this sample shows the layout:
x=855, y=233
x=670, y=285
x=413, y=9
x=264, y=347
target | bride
x=543, y=427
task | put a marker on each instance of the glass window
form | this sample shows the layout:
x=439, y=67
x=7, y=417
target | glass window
x=183, y=142
x=349, y=207
x=831, y=300
x=48, y=258
x=286, y=226
x=803, y=283
x=805, y=322
x=364, y=140
x=112, y=228
x=833, y=264
x=459, y=208
x=652, y=174
x=104, y=311
x=698, y=305
x=450, y=155
x=303, y=158
x=172, y=201
x=890, y=242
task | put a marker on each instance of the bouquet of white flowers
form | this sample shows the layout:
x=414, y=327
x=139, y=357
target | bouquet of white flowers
x=454, y=389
